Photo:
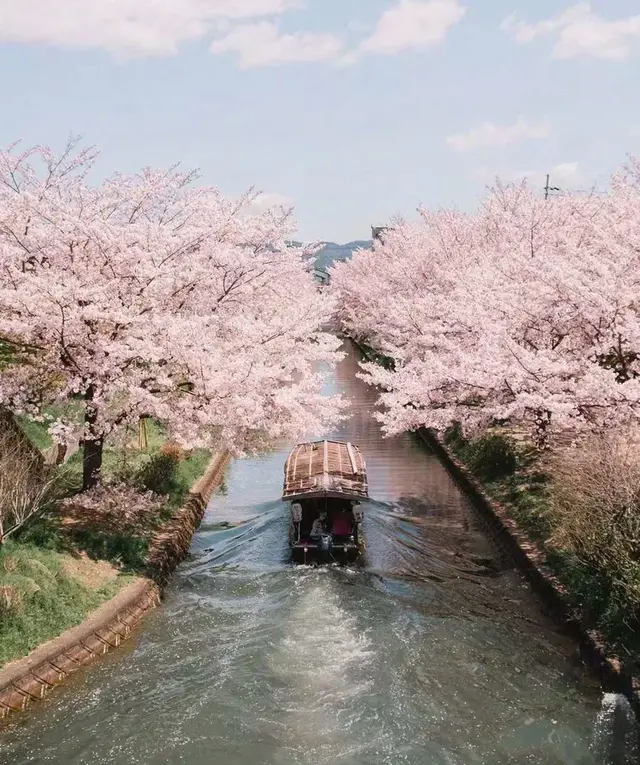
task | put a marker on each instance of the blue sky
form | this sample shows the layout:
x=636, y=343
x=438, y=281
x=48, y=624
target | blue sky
x=355, y=110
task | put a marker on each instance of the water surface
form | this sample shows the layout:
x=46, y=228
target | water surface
x=436, y=653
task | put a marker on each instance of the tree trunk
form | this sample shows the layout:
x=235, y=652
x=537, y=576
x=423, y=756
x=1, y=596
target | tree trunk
x=92, y=445
x=92, y=463
x=542, y=422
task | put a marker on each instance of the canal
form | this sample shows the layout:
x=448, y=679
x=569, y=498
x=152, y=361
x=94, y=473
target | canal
x=436, y=653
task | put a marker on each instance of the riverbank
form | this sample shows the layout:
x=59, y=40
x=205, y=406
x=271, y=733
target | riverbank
x=509, y=485
x=86, y=553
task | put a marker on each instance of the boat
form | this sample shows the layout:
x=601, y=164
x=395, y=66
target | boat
x=325, y=483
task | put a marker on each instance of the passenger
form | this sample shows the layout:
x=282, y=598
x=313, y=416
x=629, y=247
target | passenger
x=318, y=528
x=342, y=524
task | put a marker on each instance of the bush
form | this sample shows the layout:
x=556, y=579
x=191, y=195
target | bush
x=26, y=486
x=595, y=508
x=454, y=437
x=491, y=457
x=594, y=511
x=159, y=474
x=173, y=450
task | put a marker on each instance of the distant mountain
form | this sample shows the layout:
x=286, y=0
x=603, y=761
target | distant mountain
x=332, y=252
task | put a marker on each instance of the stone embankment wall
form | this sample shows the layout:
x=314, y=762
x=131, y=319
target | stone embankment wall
x=173, y=542
x=31, y=678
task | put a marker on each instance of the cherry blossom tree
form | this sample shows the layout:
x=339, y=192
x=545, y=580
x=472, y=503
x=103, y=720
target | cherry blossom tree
x=528, y=310
x=147, y=295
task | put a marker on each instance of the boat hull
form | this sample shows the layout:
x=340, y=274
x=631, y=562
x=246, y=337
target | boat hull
x=341, y=553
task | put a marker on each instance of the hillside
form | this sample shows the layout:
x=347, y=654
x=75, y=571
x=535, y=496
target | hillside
x=332, y=252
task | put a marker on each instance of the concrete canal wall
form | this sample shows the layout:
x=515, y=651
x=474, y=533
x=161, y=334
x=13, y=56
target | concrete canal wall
x=31, y=678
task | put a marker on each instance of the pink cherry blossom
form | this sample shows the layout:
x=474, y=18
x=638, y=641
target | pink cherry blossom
x=150, y=295
x=527, y=310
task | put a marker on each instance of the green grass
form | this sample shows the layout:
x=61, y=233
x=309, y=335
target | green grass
x=36, y=432
x=187, y=473
x=45, y=600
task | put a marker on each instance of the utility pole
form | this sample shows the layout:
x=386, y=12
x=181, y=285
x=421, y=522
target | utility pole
x=548, y=188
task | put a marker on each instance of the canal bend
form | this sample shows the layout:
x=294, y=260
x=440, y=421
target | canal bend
x=435, y=653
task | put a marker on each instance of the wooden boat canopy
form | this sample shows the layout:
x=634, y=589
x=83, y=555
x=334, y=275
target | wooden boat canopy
x=325, y=469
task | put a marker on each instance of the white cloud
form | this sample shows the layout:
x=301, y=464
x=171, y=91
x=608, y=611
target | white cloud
x=564, y=175
x=413, y=24
x=489, y=135
x=267, y=199
x=263, y=45
x=126, y=27
x=146, y=28
x=579, y=32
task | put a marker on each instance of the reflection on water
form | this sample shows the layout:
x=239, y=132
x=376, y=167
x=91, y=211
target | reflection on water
x=434, y=653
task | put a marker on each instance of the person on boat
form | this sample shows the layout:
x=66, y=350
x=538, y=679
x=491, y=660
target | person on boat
x=342, y=524
x=318, y=527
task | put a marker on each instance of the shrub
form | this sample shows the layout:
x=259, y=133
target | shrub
x=453, y=437
x=173, y=450
x=114, y=522
x=595, y=509
x=491, y=457
x=159, y=474
x=26, y=486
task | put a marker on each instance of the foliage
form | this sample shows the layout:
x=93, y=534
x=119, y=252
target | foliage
x=453, y=437
x=116, y=504
x=114, y=522
x=491, y=456
x=526, y=310
x=148, y=296
x=595, y=510
x=158, y=475
x=26, y=485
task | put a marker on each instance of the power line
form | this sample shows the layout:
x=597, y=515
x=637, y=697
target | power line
x=548, y=188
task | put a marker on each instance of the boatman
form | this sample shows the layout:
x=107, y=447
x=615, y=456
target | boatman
x=318, y=528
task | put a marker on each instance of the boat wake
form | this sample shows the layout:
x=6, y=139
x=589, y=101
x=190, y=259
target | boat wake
x=322, y=670
x=616, y=740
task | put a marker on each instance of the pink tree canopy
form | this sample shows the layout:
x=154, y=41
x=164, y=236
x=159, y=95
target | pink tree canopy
x=527, y=310
x=147, y=295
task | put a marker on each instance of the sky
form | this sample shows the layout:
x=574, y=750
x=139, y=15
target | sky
x=352, y=111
